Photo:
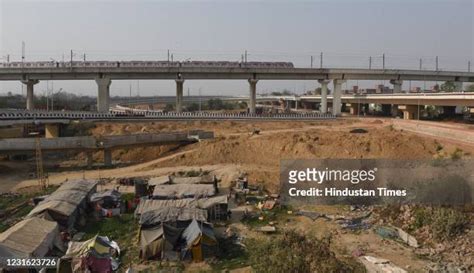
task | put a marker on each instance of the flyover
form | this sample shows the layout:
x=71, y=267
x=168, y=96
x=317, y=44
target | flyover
x=90, y=144
x=54, y=118
x=104, y=76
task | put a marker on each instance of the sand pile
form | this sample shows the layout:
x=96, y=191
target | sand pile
x=319, y=143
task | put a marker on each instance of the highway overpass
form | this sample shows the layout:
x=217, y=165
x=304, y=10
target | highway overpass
x=54, y=118
x=90, y=144
x=105, y=75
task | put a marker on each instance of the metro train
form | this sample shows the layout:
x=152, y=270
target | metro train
x=132, y=64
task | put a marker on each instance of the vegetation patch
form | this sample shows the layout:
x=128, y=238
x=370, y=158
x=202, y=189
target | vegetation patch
x=294, y=252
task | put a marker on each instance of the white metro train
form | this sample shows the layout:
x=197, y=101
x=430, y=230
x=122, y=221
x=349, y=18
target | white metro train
x=132, y=64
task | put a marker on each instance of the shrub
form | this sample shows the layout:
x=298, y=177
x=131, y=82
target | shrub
x=448, y=223
x=294, y=252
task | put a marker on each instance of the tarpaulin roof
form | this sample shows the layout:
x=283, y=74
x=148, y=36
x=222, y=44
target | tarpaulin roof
x=61, y=207
x=108, y=194
x=32, y=237
x=79, y=185
x=160, y=180
x=169, y=214
x=205, y=179
x=184, y=190
x=99, y=245
x=66, y=198
x=153, y=204
x=203, y=203
x=195, y=231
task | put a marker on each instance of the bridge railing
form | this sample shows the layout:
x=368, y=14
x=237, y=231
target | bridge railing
x=73, y=115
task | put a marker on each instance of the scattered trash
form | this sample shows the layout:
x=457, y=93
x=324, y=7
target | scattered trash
x=267, y=229
x=310, y=214
x=395, y=233
x=356, y=223
x=378, y=265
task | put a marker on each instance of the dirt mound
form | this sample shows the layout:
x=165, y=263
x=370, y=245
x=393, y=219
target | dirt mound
x=266, y=151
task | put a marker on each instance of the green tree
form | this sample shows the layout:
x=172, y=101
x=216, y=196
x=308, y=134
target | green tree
x=470, y=88
x=169, y=107
x=448, y=86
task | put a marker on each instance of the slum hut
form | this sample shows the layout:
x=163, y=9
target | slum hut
x=216, y=207
x=98, y=254
x=32, y=237
x=204, y=179
x=181, y=191
x=200, y=241
x=160, y=242
x=179, y=217
x=66, y=204
x=107, y=203
x=154, y=204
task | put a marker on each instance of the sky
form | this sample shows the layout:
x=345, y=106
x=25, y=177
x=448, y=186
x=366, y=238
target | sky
x=347, y=32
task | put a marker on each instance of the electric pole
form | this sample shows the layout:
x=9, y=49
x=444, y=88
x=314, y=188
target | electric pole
x=321, y=60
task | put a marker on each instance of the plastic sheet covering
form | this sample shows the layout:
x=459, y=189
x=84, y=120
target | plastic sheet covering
x=32, y=237
x=183, y=191
x=170, y=214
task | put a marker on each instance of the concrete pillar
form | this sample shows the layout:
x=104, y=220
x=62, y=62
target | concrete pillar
x=324, y=96
x=409, y=111
x=458, y=86
x=103, y=97
x=30, y=93
x=394, y=111
x=397, y=86
x=90, y=159
x=253, y=95
x=336, y=97
x=108, y=157
x=179, y=95
x=51, y=130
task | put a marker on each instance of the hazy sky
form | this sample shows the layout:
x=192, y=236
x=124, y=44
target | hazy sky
x=348, y=32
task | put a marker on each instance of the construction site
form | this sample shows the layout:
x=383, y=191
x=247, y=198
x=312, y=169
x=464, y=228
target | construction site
x=209, y=202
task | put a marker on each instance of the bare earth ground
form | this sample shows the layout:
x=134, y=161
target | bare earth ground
x=235, y=150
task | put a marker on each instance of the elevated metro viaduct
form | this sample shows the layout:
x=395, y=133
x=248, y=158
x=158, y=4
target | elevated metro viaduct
x=103, y=76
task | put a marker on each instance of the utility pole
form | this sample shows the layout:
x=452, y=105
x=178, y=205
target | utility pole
x=321, y=60
x=168, y=55
x=383, y=61
x=84, y=57
x=71, y=58
x=469, y=66
x=436, y=63
x=311, y=61
x=22, y=53
x=370, y=62
x=8, y=58
x=171, y=57
x=421, y=63
x=246, y=56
